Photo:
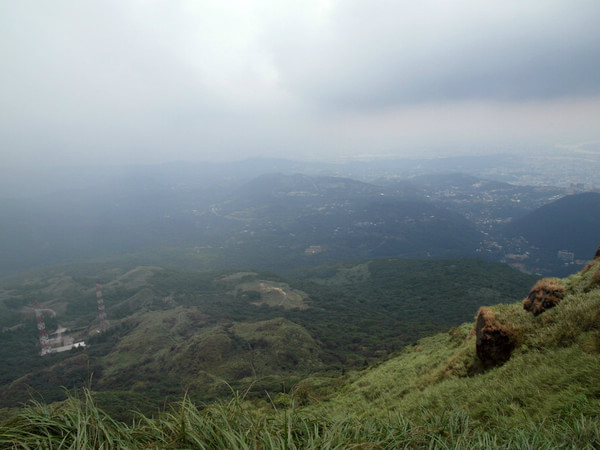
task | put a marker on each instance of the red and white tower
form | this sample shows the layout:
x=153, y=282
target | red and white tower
x=101, y=311
x=43, y=335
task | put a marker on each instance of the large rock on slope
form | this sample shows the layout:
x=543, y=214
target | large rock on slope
x=495, y=342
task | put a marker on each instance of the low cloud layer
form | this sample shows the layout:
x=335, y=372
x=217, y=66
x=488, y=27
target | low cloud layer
x=123, y=81
x=385, y=53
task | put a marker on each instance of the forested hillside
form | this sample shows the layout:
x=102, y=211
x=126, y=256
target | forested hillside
x=173, y=332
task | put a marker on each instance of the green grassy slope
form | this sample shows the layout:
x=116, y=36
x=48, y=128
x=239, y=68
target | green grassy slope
x=553, y=373
x=434, y=394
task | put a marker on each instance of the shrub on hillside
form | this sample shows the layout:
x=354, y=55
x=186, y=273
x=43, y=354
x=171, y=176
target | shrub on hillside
x=546, y=294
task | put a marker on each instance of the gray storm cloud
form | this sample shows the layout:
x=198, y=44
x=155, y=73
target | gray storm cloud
x=382, y=53
x=123, y=81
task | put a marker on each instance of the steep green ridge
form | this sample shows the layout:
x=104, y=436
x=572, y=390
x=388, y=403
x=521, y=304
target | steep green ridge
x=174, y=332
x=553, y=372
x=435, y=394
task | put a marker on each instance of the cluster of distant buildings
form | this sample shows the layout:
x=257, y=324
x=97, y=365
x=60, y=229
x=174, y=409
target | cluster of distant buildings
x=569, y=257
x=59, y=341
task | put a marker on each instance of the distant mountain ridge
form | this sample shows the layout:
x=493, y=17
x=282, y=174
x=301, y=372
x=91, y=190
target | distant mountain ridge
x=571, y=223
x=267, y=223
x=274, y=221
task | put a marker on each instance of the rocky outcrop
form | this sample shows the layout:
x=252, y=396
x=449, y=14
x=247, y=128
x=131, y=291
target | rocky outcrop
x=597, y=255
x=494, y=342
x=546, y=294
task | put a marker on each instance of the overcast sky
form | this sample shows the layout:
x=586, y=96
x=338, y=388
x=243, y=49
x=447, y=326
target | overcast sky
x=90, y=82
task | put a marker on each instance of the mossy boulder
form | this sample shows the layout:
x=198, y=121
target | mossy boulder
x=495, y=342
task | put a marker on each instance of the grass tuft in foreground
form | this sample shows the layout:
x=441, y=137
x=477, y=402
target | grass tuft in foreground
x=78, y=423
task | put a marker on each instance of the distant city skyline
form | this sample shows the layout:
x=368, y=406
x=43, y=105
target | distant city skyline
x=123, y=82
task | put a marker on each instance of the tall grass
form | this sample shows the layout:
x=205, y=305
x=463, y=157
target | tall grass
x=76, y=423
x=235, y=424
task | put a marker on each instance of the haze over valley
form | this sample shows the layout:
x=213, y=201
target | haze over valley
x=265, y=214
